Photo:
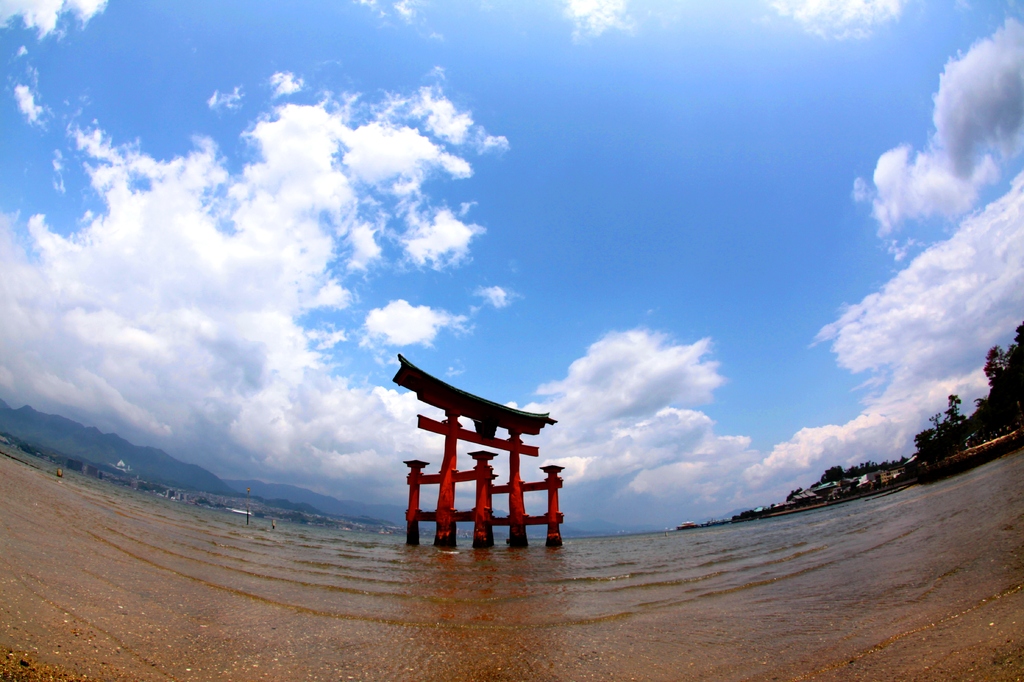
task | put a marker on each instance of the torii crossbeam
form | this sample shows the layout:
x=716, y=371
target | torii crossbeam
x=488, y=417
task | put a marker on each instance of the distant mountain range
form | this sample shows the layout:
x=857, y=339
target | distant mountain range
x=66, y=438
x=326, y=503
x=105, y=450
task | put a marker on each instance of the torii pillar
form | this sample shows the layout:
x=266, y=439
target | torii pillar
x=483, y=532
x=412, y=522
x=553, y=516
x=516, y=506
x=445, y=534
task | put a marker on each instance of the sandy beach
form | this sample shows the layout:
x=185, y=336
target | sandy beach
x=99, y=582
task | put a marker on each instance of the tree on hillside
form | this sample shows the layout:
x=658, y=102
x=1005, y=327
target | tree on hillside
x=947, y=435
x=1001, y=411
x=832, y=474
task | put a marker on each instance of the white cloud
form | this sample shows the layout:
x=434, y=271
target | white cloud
x=400, y=157
x=231, y=101
x=439, y=241
x=180, y=314
x=922, y=336
x=43, y=15
x=401, y=324
x=365, y=249
x=628, y=437
x=594, y=17
x=487, y=143
x=495, y=296
x=978, y=117
x=406, y=9
x=26, y=100
x=285, y=83
x=840, y=18
x=443, y=119
x=635, y=373
x=326, y=338
x=58, y=168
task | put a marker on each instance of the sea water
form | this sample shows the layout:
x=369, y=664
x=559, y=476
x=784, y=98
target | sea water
x=783, y=592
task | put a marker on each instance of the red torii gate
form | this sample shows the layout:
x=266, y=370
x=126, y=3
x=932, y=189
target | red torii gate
x=488, y=417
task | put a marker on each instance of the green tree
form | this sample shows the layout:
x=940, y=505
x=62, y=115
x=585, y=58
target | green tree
x=832, y=474
x=947, y=435
x=1001, y=411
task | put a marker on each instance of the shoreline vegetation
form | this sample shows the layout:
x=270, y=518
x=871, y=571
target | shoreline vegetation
x=954, y=443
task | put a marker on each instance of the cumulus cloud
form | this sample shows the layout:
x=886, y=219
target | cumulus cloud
x=633, y=374
x=26, y=99
x=231, y=101
x=495, y=296
x=442, y=118
x=197, y=310
x=398, y=157
x=627, y=434
x=446, y=121
x=978, y=118
x=594, y=17
x=440, y=240
x=365, y=250
x=43, y=15
x=840, y=18
x=285, y=83
x=401, y=324
x=921, y=337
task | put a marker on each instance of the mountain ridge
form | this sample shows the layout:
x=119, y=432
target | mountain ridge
x=325, y=503
x=89, y=444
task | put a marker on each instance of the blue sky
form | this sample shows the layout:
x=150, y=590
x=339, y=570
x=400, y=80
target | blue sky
x=725, y=246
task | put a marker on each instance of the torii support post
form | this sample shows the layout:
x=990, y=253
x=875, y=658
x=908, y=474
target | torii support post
x=412, y=522
x=444, y=536
x=483, y=534
x=516, y=507
x=554, y=483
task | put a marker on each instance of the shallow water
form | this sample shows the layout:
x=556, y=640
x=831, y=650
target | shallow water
x=721, y=602
x=897, y=544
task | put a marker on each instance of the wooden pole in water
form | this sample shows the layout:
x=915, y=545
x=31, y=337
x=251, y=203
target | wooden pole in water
x=554, y=483
x=412, y=514
x=247, y=506
x=482, y=534
x=445, y=534
x=516, y=508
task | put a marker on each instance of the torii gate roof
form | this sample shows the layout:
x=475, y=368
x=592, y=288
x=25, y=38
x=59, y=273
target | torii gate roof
x=433, y=391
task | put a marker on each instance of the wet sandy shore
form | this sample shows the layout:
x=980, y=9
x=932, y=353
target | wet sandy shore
x=109, y=584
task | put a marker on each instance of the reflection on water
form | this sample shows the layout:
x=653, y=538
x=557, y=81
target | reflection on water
x=840, y=578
